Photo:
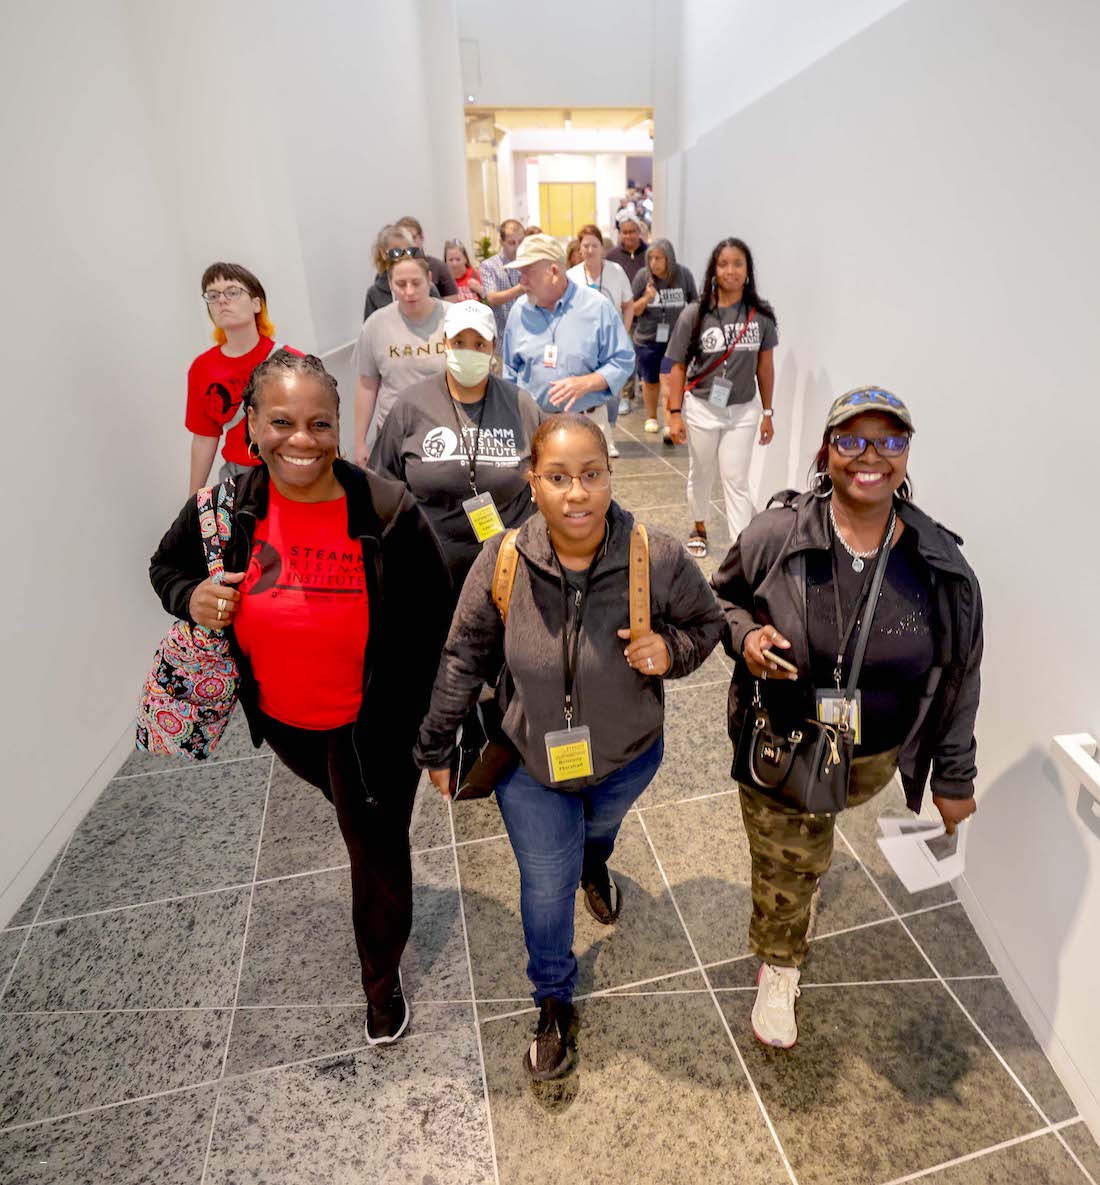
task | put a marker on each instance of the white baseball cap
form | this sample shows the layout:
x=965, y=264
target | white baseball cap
x=470, y=314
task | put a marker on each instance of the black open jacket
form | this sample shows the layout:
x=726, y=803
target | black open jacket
x=762, y=581
x=409, y=599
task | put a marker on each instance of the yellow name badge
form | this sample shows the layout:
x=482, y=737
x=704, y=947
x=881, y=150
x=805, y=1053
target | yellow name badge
x=569, y=754
x=484, y=516
x=833, y=708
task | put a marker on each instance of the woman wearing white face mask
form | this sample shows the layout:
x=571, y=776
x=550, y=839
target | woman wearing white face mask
x=461, y=442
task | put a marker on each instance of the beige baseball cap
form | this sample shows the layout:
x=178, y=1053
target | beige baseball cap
x=470, y=314
x=538, y=247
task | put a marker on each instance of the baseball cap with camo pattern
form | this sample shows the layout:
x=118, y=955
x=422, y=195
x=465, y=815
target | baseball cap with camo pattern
x=864, y=399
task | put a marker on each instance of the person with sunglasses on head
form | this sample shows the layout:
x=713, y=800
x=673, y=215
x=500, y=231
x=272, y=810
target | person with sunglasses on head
x=582, y=704
x=463, y=272
x=440, y=273
x=720, y=354
x=237, y=305
x=798, y=583
x=335, y=603
x=398, y=346
x=390, y=237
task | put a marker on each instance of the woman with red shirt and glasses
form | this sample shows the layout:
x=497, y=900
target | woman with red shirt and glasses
x=337, y=602
x=243, y=334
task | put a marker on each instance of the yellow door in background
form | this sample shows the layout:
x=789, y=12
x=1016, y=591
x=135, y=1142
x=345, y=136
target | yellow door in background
x=566, y=206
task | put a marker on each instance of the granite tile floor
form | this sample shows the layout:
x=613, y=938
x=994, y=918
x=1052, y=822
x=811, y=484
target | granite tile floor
x=180, y=999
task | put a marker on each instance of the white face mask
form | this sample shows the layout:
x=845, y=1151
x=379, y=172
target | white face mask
x=468, y=367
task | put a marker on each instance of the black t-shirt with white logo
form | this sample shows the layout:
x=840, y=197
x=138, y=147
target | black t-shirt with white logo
x=419, y=444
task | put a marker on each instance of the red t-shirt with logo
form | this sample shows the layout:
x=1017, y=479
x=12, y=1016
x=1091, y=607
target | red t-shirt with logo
x=302, y=619
x=215, y=385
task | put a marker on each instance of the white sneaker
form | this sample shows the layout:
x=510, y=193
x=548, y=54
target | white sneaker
x=651, y=426
x=612, y=451
x=773, y=1013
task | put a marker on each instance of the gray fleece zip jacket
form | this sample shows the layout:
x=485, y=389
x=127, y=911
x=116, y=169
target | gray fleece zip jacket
x=624, y=709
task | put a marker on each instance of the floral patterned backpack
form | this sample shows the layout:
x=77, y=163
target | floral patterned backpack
x=191, y=689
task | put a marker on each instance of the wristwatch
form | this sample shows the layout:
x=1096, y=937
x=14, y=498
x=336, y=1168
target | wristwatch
x=768, y=411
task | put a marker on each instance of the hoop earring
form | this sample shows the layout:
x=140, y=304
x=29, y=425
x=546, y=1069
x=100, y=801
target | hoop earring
x=821, y=484
x=342, y=454
x=254, y=455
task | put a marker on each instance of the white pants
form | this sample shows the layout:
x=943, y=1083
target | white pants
x=598, y=415
x=721, y=438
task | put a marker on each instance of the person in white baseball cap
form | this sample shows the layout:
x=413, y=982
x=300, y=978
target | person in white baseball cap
x=461, y=442
x=564, y=342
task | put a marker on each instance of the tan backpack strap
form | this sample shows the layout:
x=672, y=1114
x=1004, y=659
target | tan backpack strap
x=639, y=582
x=504, y=574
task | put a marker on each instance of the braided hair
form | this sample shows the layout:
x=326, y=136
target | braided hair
x=279, y=364
x=708, y=296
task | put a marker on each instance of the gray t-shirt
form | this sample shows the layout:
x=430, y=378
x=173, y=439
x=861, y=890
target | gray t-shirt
x=669, y=304
x=419, y=445
x=398, y=352
x=720, y=328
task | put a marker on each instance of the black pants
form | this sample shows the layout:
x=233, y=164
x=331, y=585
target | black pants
x=377, y=836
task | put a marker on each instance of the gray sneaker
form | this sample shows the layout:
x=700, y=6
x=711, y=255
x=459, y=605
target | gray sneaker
x=625, y=406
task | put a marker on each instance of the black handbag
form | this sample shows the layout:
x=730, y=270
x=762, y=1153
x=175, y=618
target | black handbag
x=809, y=766
x=485, y=768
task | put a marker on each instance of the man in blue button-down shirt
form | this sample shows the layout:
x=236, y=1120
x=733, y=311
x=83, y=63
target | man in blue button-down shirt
x=564, y=344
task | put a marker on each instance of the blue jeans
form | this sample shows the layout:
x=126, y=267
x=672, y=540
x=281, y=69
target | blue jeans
x=561, y=839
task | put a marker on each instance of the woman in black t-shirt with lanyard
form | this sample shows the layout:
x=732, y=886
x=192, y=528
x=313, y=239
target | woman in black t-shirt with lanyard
x=796, y=583
x=462, y=442
x=721, y=349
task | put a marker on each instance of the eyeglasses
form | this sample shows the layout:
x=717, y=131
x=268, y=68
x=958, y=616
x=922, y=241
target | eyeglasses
x=591, y=480
x=847, y=444
x=230, y=293
x=396, y=253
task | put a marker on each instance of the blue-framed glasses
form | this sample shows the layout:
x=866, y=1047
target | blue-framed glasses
x=849, y=445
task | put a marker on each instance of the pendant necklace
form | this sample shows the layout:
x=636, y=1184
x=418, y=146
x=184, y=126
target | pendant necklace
x=858, y=557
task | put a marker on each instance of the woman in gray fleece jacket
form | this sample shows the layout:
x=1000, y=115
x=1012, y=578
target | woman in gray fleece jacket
x=583, y=707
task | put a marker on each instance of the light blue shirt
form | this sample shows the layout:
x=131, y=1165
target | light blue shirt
x=591, y=339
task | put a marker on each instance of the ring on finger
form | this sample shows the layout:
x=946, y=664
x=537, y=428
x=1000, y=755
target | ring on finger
x=222, y=602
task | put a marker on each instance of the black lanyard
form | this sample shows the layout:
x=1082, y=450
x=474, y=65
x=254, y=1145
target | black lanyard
x=471, y=455
x=844, y=634
x=569, y=657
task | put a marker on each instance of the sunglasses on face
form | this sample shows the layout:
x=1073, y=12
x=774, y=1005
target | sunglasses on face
x=849, y=445
x=396, y=253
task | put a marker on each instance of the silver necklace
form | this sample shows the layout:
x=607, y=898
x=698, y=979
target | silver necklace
x=859, y=556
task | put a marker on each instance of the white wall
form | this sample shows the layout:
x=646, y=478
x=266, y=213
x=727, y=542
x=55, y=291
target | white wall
x=921, y=203
x=517, y=55
x=146, y=142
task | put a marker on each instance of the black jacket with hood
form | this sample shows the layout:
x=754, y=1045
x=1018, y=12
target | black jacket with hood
x=409, y=603
x=762, y=581
x=624, y=709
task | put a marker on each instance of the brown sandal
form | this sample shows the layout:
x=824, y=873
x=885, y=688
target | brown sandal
x=697, y=545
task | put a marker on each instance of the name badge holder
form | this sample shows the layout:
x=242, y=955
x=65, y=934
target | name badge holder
x=550, y=355
x=664, y=331
x=569, y=749
x=720, y=392
x=481, y=510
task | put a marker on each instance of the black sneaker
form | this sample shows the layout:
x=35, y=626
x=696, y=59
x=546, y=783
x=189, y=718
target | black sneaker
x=603, y=898
x=549, y=1055
x=385, y=1025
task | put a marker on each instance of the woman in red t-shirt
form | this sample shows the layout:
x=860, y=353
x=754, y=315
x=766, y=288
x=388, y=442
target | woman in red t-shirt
x=466, y=277
x=237, y=304
x=336, y=601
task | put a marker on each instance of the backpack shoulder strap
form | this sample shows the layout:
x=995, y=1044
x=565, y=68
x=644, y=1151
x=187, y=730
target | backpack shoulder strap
x=504, y=574
x=639, y=582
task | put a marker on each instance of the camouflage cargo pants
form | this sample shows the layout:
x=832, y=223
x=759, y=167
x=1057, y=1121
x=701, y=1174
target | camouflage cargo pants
x=791, y=850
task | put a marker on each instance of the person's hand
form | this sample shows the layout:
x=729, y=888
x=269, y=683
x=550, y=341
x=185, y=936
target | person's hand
x=954, y=810
x=677, y=427
x=765, y=638
x=565, y=392
x=362, y=455
x=474, y=286
x=767, y=430
x=443, y=780
x=650, y=293
x=213, y=605
x=648, y=655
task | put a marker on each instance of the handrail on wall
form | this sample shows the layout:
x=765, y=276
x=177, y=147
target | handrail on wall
x=1076, y=754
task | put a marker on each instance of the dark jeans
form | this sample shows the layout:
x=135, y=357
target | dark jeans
x=377, y=837
x=563, y=838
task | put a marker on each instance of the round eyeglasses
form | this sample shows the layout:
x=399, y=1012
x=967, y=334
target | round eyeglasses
x=591, y=480
x=233, y=292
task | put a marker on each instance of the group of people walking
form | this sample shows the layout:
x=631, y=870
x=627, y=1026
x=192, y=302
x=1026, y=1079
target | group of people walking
x=474, y=553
